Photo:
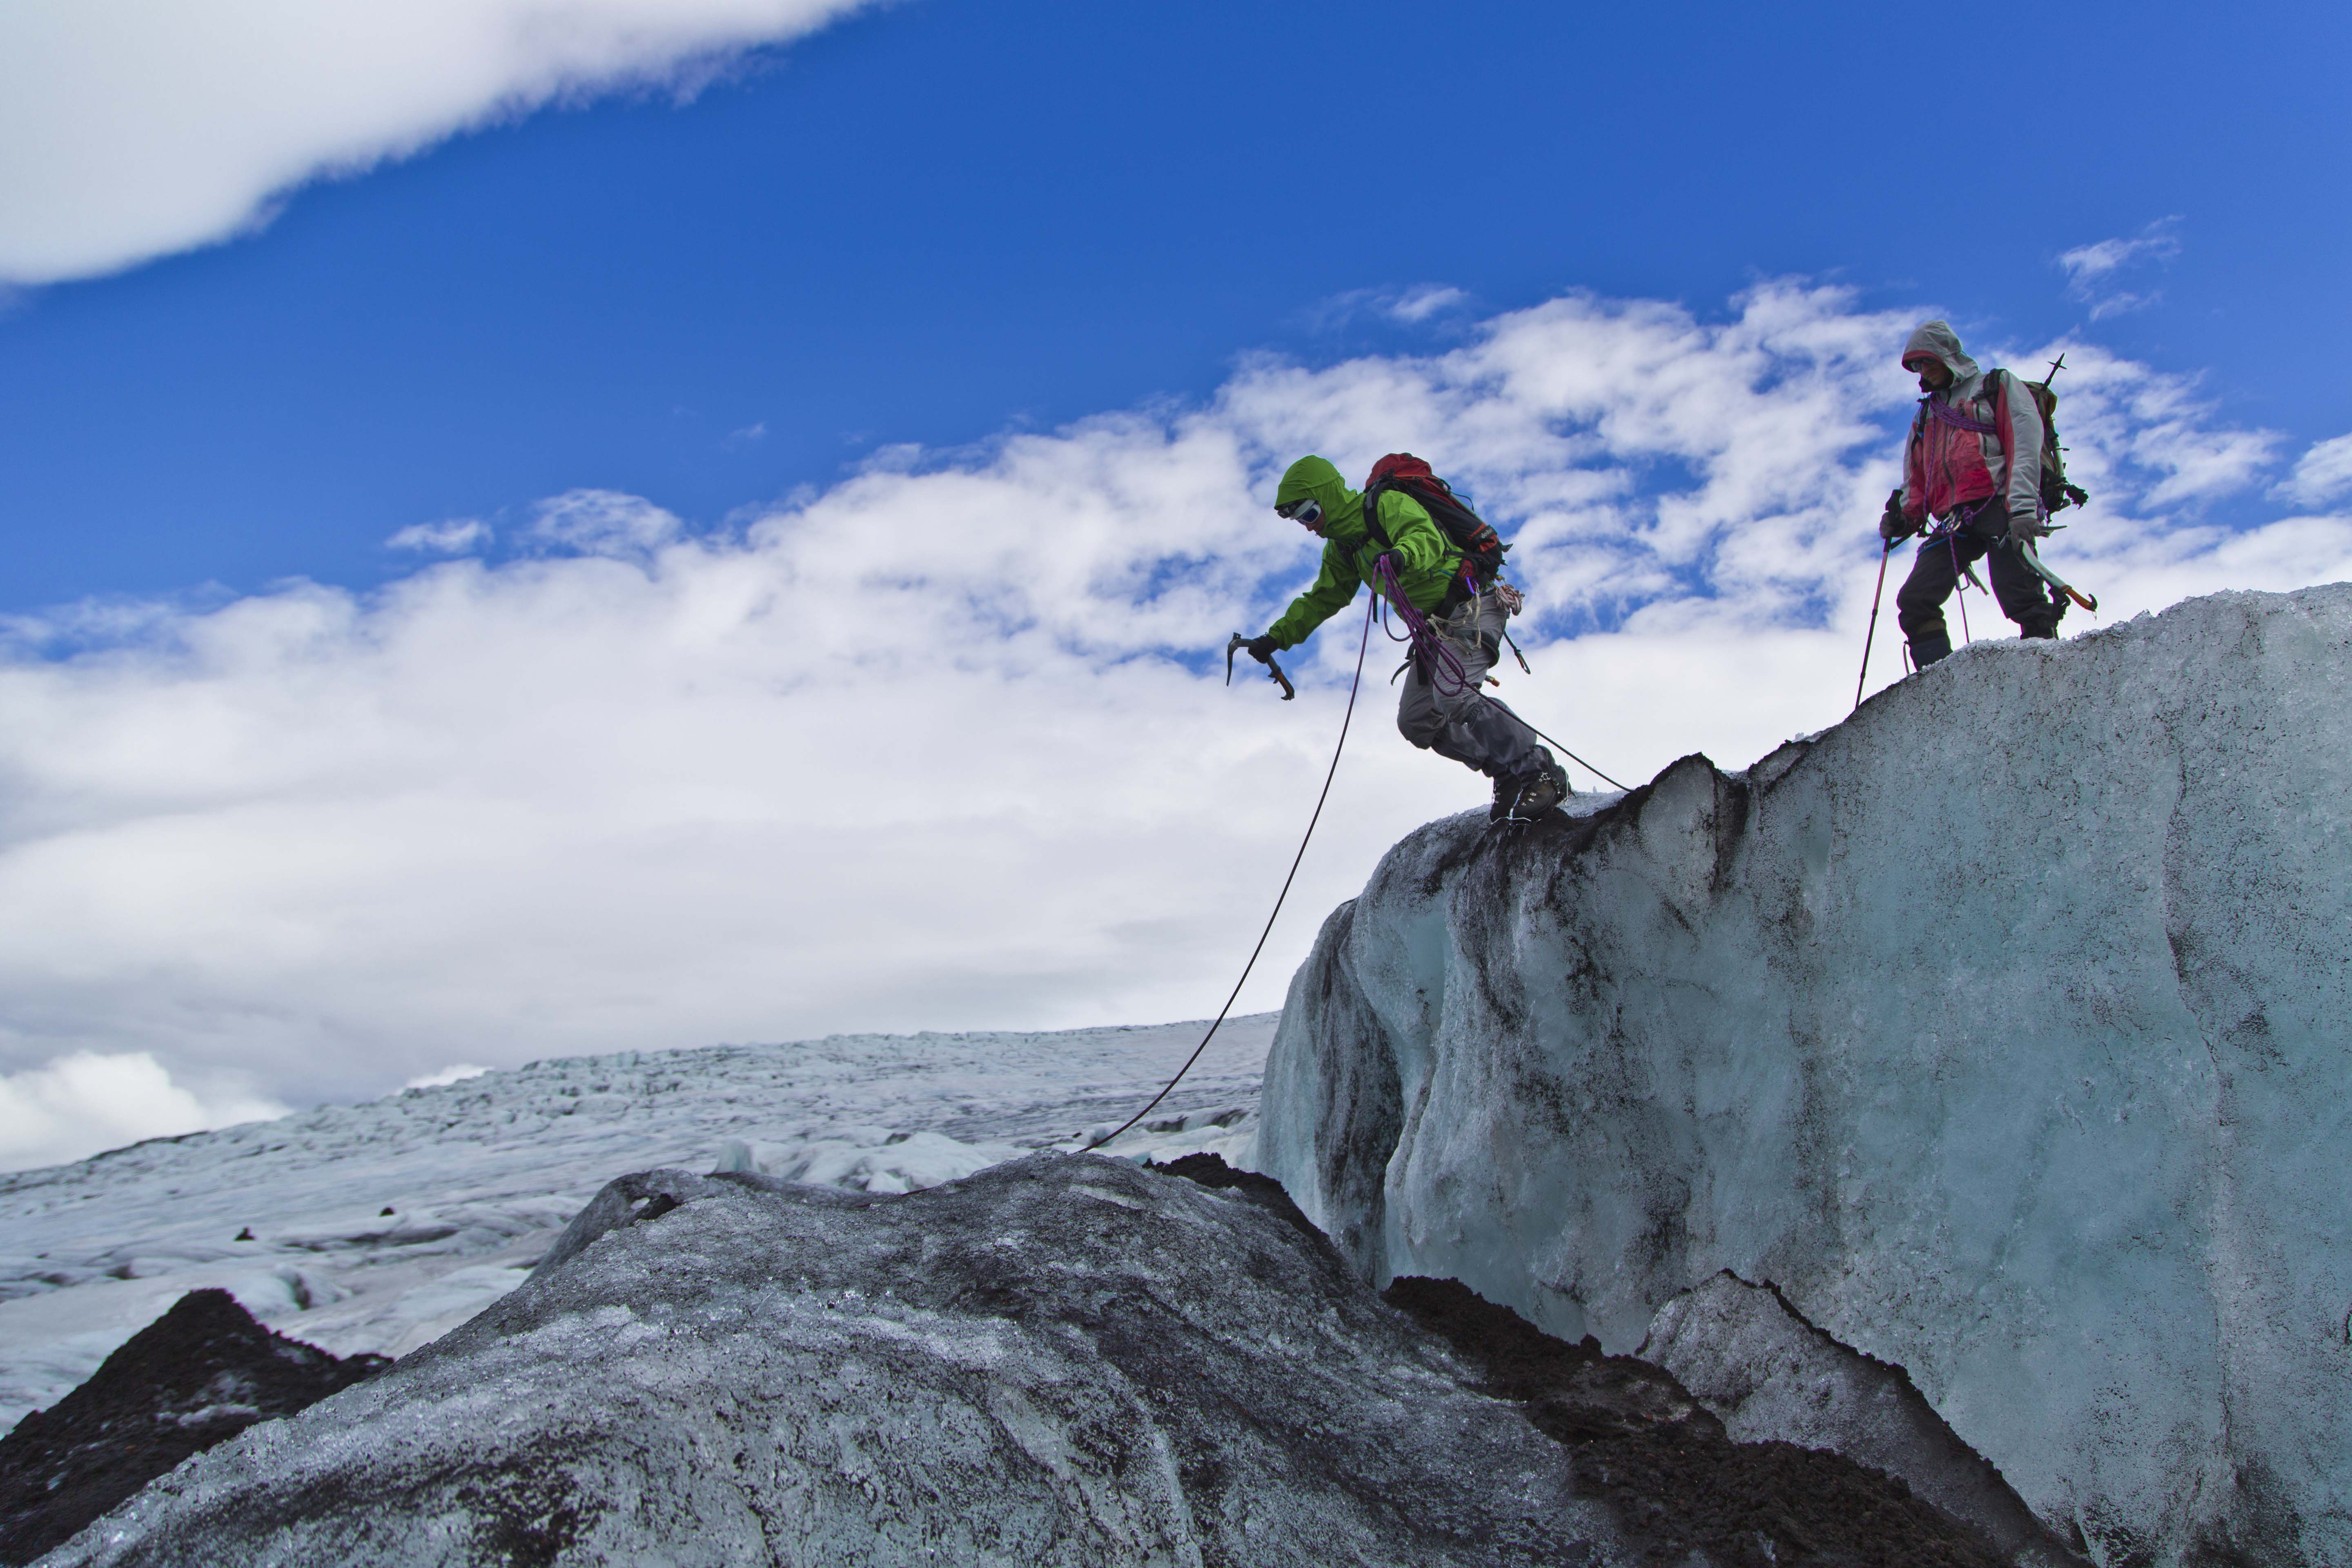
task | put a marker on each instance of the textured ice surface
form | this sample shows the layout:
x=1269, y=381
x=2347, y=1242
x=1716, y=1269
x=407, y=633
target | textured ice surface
x=2005, y=1028
x=1061, y=1360
x=482, y=1175
x=1770, y=1377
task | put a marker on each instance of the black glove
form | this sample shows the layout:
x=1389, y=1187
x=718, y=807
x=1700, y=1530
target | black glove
x=2025, y=527
x=1893, y=523
x=1261, y=648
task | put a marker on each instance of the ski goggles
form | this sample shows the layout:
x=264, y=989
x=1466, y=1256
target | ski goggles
x=1308, y=512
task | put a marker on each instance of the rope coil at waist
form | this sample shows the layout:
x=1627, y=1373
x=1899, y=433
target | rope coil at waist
x=1447, y=674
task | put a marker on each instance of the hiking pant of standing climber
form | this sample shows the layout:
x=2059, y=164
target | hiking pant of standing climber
x=1462, y=724
x=1982, y=535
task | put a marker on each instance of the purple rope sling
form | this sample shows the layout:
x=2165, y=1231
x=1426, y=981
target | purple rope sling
x=1945, y=414
x=1443, y=667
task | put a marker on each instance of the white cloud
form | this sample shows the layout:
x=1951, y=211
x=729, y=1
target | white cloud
x=2091, y=269
x=455, y=537
x=603, y=522
x=2089, y=263
x=1421, y=303
x=2151, y=434
x=456, y=1072
x=2321, y=474
x=130, y=129
x=947, y=745
x=79, y=1104
x=1412, y=306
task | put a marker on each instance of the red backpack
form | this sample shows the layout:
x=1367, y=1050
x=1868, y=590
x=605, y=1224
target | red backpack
x=1482, y=549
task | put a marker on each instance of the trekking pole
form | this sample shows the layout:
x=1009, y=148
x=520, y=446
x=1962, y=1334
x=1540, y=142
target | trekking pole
x=1875, y=594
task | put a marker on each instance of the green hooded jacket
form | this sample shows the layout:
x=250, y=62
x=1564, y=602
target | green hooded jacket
x=1427, y=562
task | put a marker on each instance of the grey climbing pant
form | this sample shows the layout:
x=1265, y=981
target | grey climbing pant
x=1474, y=729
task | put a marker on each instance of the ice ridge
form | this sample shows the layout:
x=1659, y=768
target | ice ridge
x=2003, y=1028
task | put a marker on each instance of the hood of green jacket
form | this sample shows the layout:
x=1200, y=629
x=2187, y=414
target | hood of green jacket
x=1343, y=508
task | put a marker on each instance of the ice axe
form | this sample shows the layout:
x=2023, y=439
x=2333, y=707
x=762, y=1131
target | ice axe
x=2033, y=559
x=1272, y=668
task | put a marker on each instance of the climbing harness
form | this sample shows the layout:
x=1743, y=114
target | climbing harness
x=1446, y=670
x=1964, y=575
x=1444, y=666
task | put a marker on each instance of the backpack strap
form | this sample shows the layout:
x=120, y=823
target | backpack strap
x=2003, y=389
x=1373, y=516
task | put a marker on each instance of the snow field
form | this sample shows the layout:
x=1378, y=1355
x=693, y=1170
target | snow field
x=480, y=1176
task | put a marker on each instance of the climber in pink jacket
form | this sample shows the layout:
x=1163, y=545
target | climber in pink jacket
x=1973, y=468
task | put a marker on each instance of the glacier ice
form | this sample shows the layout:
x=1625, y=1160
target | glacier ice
x=483, y=1173
x=1062, y=1359
x=2005, y=1028
x=1770, y=1377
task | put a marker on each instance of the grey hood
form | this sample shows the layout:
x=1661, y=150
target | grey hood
x=1939, y=339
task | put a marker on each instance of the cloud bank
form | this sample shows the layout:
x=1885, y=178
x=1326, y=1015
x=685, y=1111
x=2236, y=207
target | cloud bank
x=84, y=1102
x=130, y=129
x=948, y=745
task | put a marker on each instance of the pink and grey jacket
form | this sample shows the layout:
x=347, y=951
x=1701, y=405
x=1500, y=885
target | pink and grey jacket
x=1970, y=441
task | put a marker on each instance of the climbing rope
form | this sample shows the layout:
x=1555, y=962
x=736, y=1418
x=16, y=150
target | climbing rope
x=1363, y=646
x=1416, y=626
x=1564, y=752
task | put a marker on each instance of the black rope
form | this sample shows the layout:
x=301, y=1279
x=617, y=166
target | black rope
x=1564, y=752
x=1333, y=773
x=1362, y=647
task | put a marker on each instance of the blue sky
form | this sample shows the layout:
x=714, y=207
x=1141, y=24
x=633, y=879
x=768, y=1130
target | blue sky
x=938, y=219
x=711, y=519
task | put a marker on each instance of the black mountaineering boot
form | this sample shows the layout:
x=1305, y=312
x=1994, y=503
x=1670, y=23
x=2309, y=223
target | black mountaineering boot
x=1507, y=790
x=1540, y=791
x=1928, y=646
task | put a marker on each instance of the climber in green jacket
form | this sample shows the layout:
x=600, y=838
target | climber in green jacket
x=1462, y=723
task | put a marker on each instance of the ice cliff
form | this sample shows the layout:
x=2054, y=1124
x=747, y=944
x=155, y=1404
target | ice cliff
x=2000, y=1031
